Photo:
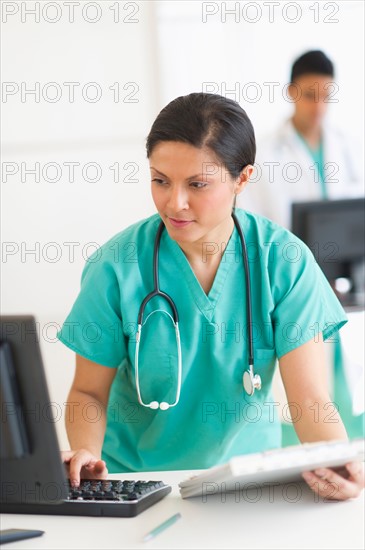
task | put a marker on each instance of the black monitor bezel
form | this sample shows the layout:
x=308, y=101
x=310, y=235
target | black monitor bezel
x=39, y=475
x=328, y=261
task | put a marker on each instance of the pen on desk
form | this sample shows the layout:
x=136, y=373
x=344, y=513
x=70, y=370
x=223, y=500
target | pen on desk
x=161, y=527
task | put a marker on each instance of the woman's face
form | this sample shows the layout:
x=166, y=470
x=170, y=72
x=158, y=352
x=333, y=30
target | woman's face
x=193, y=192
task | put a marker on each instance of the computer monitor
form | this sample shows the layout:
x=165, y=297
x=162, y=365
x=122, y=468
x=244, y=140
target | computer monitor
x=334, y=231
x=31, y=466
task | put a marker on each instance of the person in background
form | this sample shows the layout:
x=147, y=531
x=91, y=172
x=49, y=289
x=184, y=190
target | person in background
x=304, y=159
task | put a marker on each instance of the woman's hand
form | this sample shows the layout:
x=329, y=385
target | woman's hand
x=84, y=464
x=341, y=485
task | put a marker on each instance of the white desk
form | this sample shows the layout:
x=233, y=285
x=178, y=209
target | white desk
x=278, y=519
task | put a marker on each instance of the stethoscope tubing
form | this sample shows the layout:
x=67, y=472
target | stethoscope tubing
x=254, y=380
x=248, y=291
x=156, y=282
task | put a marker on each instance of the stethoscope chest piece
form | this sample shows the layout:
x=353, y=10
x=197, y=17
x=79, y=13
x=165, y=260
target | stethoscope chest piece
x=251, y=382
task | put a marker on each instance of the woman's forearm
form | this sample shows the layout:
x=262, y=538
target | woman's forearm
x=85, y=422
x=317, y=420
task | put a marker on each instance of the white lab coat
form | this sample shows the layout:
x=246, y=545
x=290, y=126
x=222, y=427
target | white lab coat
x=285, y=173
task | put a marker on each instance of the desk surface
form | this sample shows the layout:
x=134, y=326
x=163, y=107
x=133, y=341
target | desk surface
x=280, y=517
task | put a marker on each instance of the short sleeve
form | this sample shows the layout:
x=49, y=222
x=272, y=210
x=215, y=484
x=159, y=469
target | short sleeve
x=305, y=304
x=94, y=326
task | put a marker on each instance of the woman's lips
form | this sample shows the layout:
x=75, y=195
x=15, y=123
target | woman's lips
x=179, y=223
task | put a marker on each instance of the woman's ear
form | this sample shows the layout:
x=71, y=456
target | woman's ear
x=243, y=178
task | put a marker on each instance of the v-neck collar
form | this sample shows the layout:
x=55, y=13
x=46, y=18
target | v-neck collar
x=206, y=303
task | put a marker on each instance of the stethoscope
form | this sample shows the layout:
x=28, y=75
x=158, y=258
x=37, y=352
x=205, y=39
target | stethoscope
x=250, y=381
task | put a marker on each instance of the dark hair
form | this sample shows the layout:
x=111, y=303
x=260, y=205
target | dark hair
x=207, y=120
x=315, y=62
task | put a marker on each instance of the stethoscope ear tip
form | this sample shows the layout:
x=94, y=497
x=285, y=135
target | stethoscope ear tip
x=153, y=405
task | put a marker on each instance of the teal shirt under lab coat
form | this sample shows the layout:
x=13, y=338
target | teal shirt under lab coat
x=214, y=419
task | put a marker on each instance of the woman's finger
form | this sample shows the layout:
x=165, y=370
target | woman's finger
x=100, y=466
x=332, y=485
x=83, y=464
x=81, y=459
x=67, y=455
x=328, y=484
x=356, y=471
x=100, y=469
x=322, y=486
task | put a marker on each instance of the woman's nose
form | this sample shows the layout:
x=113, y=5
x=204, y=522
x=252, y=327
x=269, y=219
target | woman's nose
x=178, y=199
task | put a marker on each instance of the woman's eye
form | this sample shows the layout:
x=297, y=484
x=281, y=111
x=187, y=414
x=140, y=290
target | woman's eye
x=198, y=184
x=158, y=181
x=195, y=184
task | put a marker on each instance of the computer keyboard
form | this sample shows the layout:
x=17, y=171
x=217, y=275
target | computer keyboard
x=112, y=498
x=282, y=465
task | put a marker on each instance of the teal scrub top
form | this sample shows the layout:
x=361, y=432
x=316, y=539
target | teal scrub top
x=214, y=419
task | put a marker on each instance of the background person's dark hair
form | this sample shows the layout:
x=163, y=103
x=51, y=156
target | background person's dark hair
x=207, y=120
x=313, y=62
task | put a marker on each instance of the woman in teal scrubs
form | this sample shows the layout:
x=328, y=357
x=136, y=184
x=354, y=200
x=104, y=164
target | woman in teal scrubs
x=201, y=150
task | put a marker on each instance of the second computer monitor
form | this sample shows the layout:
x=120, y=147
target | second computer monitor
x=334, y=231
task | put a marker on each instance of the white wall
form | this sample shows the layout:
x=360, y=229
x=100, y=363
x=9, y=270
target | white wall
x=257, y=43
x=45, y=215
x=164, y=49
